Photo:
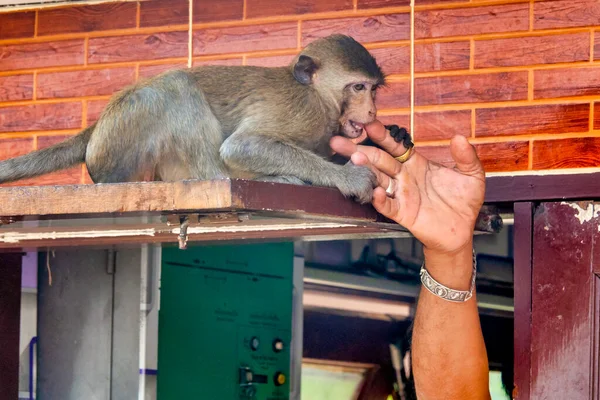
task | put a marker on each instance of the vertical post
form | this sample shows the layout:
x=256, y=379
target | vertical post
x=523, y=245
x=10, y=319
x=563, y=322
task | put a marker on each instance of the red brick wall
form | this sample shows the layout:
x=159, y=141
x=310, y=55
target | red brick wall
x=519, y=78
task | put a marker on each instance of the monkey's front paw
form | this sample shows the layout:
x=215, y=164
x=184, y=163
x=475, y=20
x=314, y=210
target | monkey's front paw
x=358, y=182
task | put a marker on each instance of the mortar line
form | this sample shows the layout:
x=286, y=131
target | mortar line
x=412, y=68
x=191, y=33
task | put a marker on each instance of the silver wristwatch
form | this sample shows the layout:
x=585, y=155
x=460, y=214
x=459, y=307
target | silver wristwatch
x=444, y=292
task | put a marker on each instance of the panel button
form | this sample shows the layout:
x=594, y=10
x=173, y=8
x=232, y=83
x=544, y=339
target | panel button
x=278, y=345
x=279, y=379
x=254, y=343
x=246, y=376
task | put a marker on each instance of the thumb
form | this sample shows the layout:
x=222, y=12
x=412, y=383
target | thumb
x=465, y=156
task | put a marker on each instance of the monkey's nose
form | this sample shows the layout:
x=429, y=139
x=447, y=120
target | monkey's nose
x=372, y=113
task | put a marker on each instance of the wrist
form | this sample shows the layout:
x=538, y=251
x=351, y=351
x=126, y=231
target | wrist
x=451, y=269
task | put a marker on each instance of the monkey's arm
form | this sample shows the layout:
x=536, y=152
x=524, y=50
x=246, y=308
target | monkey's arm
x=264, y=155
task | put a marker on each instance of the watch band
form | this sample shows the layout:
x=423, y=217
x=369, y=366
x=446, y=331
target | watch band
x=443, y=292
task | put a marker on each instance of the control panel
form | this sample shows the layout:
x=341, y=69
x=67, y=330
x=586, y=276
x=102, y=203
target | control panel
x=225, y=322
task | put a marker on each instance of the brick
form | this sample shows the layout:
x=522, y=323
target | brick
x=147, y=71
x=556, y=118
x=271, y=8
x=218, y=10
x=532, y=50
x=442, y=56
x=402, y=120
x=164, y=13
x=565, y=82
x=97, y=82
x=422, y=2
x=16, y=87
x=395, y=95
x=597, y=46
x=274, y=61
x=246, y=38
x=596, y=115
x=381, y=3
x=138, y=47
x=441, y=125
x=565, y=13
x=40, y=117
x=566, y=153
x=10, y=148
x=70, y=176
x=40, y=55
x=472, y=20
x=374, y=28
x=91, y=18
x=17, y=25
x=393, y=60
x=509, y=156
x=225, y=61
x=495, y=157
x=94, y=109
x=504, y=86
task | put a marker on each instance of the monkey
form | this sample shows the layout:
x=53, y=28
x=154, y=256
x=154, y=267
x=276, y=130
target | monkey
x=269, y=124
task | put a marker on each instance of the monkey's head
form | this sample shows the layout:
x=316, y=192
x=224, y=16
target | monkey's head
x=345, y=73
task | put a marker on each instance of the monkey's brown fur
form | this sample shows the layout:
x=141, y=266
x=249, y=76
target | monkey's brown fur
x=240, y=122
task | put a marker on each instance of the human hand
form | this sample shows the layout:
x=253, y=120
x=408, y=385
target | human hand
x=438, y=205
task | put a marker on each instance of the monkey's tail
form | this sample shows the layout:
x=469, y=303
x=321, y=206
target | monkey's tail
x=60, y=156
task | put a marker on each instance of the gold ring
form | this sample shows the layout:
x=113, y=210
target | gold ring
x=406, y=156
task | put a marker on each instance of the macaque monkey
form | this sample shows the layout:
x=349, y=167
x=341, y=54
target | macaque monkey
x=212, y=122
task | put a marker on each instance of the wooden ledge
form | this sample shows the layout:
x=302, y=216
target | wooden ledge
x=153, y=198
x=216, y=210
x=145, y=212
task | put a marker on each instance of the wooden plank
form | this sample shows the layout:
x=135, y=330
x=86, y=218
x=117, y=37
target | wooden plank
x=10, y=319
x=542, y=187
x=297, y=200
x=115, y=198
x=563, y=301
x=181, y=196
x=522, y=293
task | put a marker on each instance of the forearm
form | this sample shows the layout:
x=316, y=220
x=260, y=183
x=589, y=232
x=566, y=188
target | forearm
x=448, y=352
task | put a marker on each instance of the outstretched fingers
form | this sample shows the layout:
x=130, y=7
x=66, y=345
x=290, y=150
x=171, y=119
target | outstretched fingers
x=377, y=157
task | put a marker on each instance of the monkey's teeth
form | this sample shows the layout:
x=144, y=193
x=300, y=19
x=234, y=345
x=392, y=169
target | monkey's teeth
x=356, y=125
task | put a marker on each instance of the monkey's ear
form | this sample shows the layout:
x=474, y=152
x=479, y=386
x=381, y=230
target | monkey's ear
x=304, y=69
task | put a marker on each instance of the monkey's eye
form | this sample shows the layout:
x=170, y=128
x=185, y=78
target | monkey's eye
x=359, y=87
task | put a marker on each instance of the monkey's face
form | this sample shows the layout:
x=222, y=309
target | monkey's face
x=358, y=108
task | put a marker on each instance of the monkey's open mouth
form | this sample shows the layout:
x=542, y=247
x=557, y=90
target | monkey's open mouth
x=357, y=125
x=353, y=129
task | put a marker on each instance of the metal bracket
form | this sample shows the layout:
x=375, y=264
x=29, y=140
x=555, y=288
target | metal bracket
x=184, y=221
x=8, y=220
